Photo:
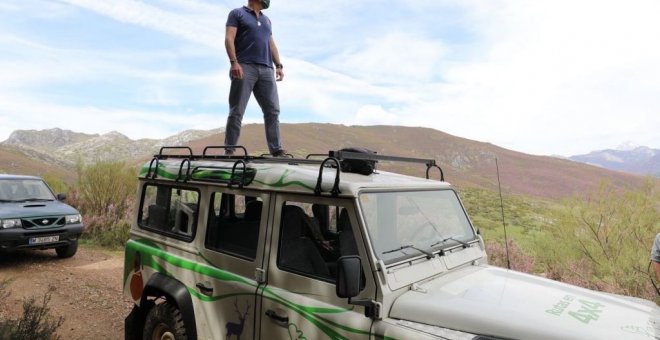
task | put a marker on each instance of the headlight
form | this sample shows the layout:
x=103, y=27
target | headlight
x=73, y=219
x=13, y=223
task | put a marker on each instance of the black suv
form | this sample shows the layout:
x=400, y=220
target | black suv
x=31, y=216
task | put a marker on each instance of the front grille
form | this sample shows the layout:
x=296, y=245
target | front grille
x=43, y=222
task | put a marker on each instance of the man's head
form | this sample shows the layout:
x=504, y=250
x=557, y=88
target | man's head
x=263, y=4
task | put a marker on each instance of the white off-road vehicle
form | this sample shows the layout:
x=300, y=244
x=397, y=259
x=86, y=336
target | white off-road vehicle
x=243, y=247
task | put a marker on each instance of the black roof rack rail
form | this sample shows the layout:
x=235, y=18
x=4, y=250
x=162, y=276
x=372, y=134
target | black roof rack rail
x=187, y=148
x=223, y=147
x=335, y=188
x=330, y=160
x=430, y=163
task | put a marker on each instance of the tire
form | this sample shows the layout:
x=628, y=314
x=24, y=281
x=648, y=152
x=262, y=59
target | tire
x=67, y=251
x=164, y=322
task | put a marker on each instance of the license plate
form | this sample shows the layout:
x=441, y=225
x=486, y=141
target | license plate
x=45, y=239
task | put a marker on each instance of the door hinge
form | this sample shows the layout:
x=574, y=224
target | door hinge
x=372, y=309
x=260, y=275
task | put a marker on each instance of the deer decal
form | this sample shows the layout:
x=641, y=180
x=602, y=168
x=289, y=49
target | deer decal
x=234, y=328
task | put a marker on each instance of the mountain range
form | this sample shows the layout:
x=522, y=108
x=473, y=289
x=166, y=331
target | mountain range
x=640, y=160
x=465, y=162
x=66, y=148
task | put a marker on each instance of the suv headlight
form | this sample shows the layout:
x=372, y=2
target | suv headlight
x=73, y=219
x=11, y=223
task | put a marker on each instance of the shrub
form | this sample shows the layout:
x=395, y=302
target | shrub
x=104, y=196
x=56, y=183
x=105, y=186
x=36, y=322
x=603, y=242
x=519, y=260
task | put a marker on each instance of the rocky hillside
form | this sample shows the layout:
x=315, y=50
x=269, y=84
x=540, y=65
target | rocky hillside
x=638, y=160
x=66, y=148
x=46, y=139
x=465, y=162
x=13, y=161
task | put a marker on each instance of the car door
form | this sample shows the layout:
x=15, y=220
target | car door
x=233, y=258
x=299, y=300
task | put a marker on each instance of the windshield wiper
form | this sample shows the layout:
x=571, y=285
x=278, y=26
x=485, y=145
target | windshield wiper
x=428, y=254
x=463, y=243
x=8, y=201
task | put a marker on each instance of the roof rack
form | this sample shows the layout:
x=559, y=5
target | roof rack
x=240, y=168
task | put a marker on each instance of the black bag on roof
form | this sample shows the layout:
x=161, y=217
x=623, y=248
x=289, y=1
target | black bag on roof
x=358, y=166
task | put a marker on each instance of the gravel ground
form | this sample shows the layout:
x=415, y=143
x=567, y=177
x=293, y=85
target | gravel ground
x=87, y=289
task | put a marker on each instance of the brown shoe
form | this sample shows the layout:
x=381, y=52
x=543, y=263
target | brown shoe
x=280, y=153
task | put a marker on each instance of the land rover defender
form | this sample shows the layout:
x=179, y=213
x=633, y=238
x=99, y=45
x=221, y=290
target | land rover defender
x=250, y=247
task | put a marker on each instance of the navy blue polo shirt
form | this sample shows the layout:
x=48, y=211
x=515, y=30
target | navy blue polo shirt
x=252, y=41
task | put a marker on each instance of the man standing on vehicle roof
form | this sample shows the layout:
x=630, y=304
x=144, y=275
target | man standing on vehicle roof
x=252, y=53
x=655, y=256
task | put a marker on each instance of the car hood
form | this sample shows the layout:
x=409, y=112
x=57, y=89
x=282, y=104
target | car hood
x=507, y=304
x=35, y=209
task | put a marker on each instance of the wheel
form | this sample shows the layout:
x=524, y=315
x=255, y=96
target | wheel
x=164, y=322
x=68, y=250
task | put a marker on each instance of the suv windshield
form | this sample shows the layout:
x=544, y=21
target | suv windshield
x=408, y=223
x=21, y=190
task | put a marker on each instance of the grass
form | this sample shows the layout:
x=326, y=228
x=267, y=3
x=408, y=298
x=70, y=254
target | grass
x=525, y=216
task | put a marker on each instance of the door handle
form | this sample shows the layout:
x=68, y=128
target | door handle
x=282, y=320
x=204, y=289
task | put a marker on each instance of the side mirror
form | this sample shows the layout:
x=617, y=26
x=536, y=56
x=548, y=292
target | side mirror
x=349, y=276
x=61, y=197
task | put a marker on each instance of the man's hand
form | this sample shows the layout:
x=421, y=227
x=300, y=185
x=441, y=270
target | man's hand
x=279, y=74
x=236, y=71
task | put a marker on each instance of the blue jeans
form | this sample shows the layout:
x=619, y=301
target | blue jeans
x=260, y=80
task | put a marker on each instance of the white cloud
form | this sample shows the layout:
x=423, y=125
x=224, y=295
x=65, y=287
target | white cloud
x=553, y=77
x=376, y=115
x=135, y=124
x=393, y=59
x=202, y=29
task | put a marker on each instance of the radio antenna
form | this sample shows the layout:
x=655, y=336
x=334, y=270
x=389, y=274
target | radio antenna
x=506, y=238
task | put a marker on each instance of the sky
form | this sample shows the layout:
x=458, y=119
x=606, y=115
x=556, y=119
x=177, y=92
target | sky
x=559, y=77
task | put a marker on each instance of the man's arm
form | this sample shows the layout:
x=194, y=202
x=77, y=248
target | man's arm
x=279, y=72
x=656, y=267
x=230, y=37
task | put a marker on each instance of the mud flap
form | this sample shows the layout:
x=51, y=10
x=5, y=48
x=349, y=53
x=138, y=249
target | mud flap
x=133, y=324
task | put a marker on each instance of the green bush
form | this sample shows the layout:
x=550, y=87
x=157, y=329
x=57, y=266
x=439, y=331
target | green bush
x=114, y=236
x=105, y=186
x=36, y=322
x=603, y=242
x=104, y=194
x=56, y=184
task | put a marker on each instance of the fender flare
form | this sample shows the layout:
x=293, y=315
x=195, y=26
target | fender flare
x=160, y=284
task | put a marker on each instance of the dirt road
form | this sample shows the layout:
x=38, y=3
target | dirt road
x=87, y=289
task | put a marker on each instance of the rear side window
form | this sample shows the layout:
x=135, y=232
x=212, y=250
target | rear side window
x=233, y=226
x=170, y=211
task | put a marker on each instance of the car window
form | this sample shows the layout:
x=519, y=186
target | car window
x=170, y=210
x=399, y=222
x=24, y=189
x=233, y=225
x=313, y=237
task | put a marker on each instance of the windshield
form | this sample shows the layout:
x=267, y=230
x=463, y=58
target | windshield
x=412, y=223
x=21, y=190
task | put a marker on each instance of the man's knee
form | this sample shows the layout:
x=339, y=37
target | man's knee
x=271, y=115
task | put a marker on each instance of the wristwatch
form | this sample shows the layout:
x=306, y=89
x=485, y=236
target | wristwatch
x=279, y=66
x=232, y=61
